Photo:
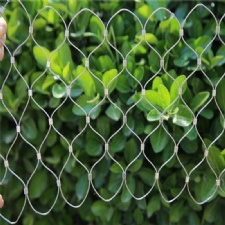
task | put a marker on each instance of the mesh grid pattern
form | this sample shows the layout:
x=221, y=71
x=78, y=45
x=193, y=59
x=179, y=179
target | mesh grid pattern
x=108, y=96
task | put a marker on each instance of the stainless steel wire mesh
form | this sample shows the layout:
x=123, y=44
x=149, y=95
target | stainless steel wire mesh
x=107, y=96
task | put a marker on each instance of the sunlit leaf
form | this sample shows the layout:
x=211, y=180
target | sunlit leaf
x=183, y=117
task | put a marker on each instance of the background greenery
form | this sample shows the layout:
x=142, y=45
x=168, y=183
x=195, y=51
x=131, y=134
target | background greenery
x=86, y=32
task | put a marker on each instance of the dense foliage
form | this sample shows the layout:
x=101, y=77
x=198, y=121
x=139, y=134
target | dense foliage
x=164, y=100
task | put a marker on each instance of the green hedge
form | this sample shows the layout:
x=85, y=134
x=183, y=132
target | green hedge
x=125, y=91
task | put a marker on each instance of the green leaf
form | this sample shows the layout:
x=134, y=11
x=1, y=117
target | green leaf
x=82, y=187
x=52, y=17
x=220, y=94
x=28, y=219
x=138, y=216
x=86, y=81
x=199, y=100
x=151, y=39
x=159, y=139
x=52, y=138
x=65, y=113
x=126, y=196
x=110, y=80
x=206, y=187
x=72, y=6
x=216, y=160
x=103, y=126
x=29, y=129
x=17, y=33
x=153, y=115
x=181, y=61
x=41, y=55
x=152, y=98
x=139, y=74
x=117, y=143
x=197, y=85
x=95, y=100
x=115, y=168
x=179, y=82
x=192, y=134
x=202, y=41
x=38, y=80
x=21, y=89
x=154, y=205
x=67, y=71
x=144, y=11
x=94, y=144
x=42, y=101
x=8, y=136
x=118, y=25
x=169, y=26
x=39, y=23
x=193, y=218
x=207, y=113
x=53, y=160
x=135, y=166
x=38, y=184
x=188, y=146
x=96, y=26
x=164, y=96
x=105, y=63
x=58, y=90
x=142, y=104
x=113, y=112
x=156, y=82
x=147, y=176
x=9, y=101
x=175, y=211
x=160, y=14
x=123, y=84
x=154, y=61
x=75, y=91
x=141, y=204
x=183, y=117
x=102, y=210
x=219, y=59
x=205, y=61
x=86, y=106
x=131, y=150
x=126, y=46
x=49, y=80
x=56, y=69
x=115, y=181
x=212, y=211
